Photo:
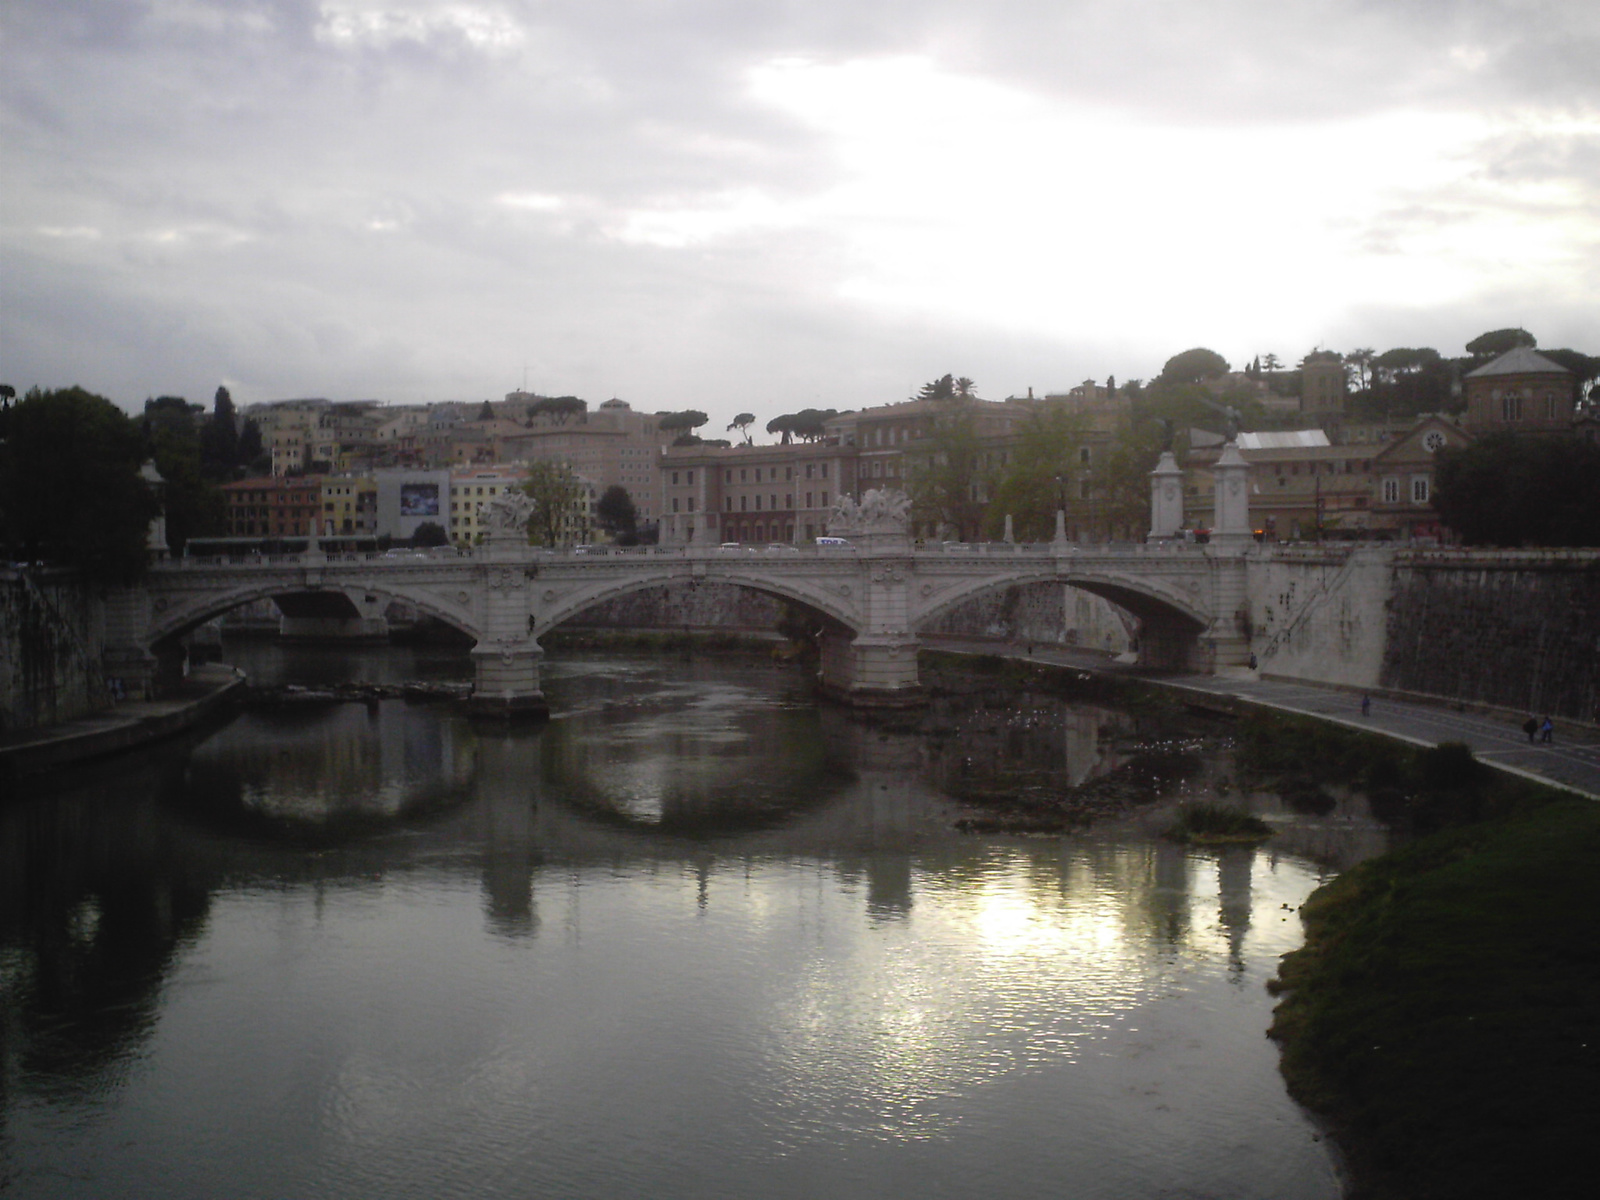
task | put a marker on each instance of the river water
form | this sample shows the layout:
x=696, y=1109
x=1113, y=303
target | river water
x=696, y=937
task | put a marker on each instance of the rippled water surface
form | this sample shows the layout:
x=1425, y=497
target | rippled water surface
x=695, y=937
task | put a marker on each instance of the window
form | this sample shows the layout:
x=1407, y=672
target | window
x=727, y=476
x=788, y=499
x=824, y=475
x=744, y=503
x=1391, y=491
x=808, y=470
x=1083, y=455
x=743, y=475
x=773, y=502
x=808, y=500
x=727, y=503
x=758, y=502
x=691, y=503
x=1510, y=408
x=788, y=472
x=690, y=481
x=824, y=500
x=1419, y=489
x=674, y=479
x=674, y=504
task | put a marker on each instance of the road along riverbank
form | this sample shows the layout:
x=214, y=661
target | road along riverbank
x=128, y=725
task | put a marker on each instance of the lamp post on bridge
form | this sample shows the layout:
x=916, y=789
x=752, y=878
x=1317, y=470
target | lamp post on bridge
x=1061, y=510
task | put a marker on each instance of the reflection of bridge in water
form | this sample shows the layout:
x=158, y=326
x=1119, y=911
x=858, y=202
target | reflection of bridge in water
x=873, y=597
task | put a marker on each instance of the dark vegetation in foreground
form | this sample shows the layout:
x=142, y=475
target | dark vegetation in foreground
x=1442, y=1012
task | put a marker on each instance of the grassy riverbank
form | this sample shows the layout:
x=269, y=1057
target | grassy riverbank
x=1442, y=1014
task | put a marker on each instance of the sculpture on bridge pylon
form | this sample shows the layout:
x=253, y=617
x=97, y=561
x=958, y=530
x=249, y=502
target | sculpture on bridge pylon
x=881, y=510
x=508, y=514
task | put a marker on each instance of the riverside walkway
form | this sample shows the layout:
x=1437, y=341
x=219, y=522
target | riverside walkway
x=128, y=725
x=1496, y=737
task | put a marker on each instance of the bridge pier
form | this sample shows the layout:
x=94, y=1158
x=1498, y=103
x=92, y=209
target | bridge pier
x=870, y=671
x=507, y=657
x=506, y=680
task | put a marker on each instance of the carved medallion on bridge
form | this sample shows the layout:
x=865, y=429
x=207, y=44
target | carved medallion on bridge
x=505, y=579
x=888, y=575
x=881, y=510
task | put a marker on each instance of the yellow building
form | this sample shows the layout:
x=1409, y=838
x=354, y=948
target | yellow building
x=470, y=489
x=349, y=505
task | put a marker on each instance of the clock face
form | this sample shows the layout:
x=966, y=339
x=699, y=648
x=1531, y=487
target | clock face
x=1432, y=440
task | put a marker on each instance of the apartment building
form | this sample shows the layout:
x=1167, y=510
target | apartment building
x=349, y=505
x=612, y=445
x=273, y=506
x=752, y=494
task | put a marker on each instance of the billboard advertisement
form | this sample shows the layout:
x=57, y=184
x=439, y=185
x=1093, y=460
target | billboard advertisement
x=419, y=499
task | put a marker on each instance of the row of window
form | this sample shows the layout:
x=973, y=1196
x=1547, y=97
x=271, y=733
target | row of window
x=772, y=502
x=761, y=533
x=288, y=514
x=1511, y=407
x=1419, y=490
x=812, y=471
x=1344, y=467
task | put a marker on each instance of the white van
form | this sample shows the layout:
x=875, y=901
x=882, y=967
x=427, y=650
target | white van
x=833, y=543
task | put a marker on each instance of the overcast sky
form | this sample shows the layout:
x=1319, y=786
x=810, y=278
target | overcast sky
x=736, y=205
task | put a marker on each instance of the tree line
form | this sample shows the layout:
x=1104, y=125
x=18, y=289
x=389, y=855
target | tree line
x=71, y=488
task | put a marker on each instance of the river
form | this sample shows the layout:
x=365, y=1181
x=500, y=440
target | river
x=697, y=936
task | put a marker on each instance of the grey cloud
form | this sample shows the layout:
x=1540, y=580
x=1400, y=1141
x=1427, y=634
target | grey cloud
x=330, y=210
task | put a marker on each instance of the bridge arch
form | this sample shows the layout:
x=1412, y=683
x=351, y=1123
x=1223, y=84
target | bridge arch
x=1170, y=620
x=809, y=593
x=176, y=619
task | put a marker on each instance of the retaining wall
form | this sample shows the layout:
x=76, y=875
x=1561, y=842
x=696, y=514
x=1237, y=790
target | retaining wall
x=1513, y=629
x=51, y=633
x=1319, y=614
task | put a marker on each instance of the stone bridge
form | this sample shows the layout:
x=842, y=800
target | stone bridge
x=872, y=598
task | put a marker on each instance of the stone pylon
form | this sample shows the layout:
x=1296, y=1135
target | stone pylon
x=1230, y=522
x=878, y=666
x=1166, y=497
x=507, y=657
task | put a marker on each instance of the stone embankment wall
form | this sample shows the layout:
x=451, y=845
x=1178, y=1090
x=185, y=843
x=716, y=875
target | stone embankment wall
x=1048, y=613
x=695, y=605
x=1319, y=614
x=1509, y=629
x=51, y=631
x=1514, y=629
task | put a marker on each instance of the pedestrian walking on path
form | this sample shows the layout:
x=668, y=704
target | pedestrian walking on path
x=1530, y=727
x=1366, y=706
x=1547, y=731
